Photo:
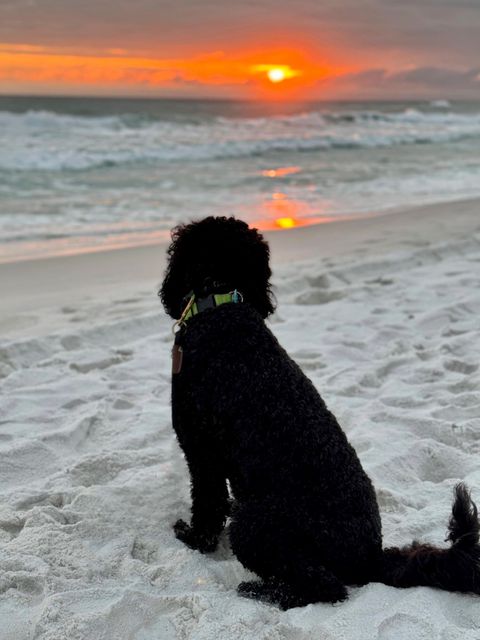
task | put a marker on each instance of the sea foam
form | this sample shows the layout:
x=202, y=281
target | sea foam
x=38, y=140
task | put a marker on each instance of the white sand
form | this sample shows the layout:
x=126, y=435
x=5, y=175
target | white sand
x=382, y=314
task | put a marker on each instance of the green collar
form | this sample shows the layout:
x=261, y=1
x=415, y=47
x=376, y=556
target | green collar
x=197, y=305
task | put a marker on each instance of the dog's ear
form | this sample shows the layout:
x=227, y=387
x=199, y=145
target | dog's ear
x=172, y=290
x=256, y=273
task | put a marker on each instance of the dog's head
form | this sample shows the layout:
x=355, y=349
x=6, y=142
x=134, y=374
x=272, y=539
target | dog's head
x=217, y=254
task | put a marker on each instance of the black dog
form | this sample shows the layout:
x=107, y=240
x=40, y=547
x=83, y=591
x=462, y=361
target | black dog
x=304, y=515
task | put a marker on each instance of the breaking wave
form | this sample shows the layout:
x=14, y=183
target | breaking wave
x=41, y=140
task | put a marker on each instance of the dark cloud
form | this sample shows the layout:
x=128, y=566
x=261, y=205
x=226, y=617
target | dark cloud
x=428, y=82
x=447, y=28
x=437, y=77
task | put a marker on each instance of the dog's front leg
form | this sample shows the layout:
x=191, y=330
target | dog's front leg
x=210, y=504
x=198, y=436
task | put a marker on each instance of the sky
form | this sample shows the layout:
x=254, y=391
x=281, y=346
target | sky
x=249, y=49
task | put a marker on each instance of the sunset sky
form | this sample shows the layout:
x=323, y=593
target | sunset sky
x=330, y=49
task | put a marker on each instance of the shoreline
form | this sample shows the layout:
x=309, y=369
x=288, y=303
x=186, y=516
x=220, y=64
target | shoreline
x=35, y=286
x=161, y=238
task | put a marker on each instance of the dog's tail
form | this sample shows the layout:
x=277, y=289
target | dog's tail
x=454, y=569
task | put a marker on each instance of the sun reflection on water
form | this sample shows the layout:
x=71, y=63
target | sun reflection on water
x=280, y=172
x=281, y=211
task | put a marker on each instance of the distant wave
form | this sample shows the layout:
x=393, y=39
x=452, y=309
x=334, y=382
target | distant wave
x=48, y=120
x=41, y=140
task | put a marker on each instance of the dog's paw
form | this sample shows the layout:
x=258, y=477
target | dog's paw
x=269, y=591
x=181, y=528
x=253, y=589
x=203, y=542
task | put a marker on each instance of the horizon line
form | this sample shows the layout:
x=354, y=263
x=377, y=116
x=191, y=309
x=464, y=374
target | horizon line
x=64, y=96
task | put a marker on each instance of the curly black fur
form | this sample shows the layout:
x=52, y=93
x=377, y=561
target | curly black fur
x=304, y=515
x=217, y=254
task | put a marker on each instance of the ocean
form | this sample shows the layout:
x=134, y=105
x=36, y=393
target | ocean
x=83, y=174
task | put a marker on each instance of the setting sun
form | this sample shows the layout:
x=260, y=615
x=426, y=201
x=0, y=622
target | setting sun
x=276, y=75
x=286, y=223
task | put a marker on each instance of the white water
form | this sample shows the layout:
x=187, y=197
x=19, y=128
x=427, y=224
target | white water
x=123, y=175
x=55, y=142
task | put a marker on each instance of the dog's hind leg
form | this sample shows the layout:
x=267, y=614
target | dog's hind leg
x=275, y=548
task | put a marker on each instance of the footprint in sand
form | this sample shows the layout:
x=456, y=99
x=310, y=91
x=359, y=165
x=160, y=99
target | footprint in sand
x=457, y=366
x=6, y=364
x=424, y=376
x=23, y=573
x=390, y=503
x=308, y=360
x=402, y=402
x=56, y=499
x=384, y=282
x=463, y=386
x=104, y=468
x=79, y=318
x=127, y=301
x=402, y=625
x=73, y=404
x=49, y=514
x=92, y=359
x=453, y=412
x=320, y=281
x=23, y=582
x=318, y=297
x=12, y=525
x=122, y=404
x=319, y=292
x=436, y=462
x=144, y=551
x=71, y=342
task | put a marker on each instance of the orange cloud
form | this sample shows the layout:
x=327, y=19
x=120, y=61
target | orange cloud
x=23, y=63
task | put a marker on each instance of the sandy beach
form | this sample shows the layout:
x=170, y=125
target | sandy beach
x=382, y=313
